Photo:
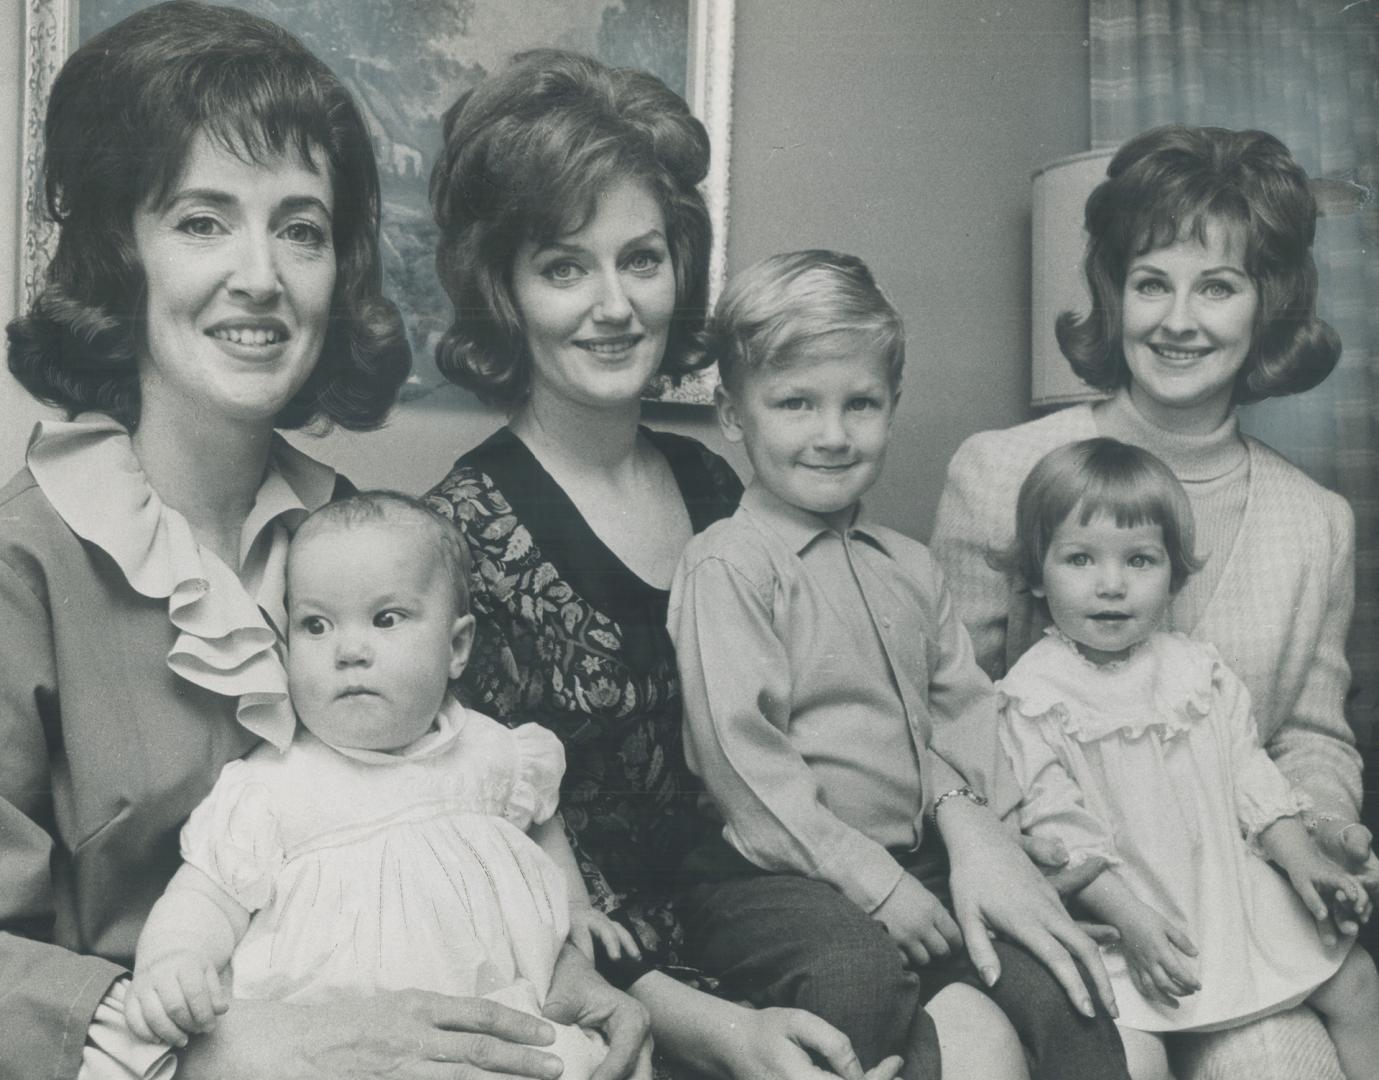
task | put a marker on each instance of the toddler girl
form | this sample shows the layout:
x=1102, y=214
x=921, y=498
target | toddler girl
x=1138, y=746
x=400, y=840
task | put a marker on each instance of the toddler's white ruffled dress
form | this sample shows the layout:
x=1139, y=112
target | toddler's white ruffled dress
x=1153, y=762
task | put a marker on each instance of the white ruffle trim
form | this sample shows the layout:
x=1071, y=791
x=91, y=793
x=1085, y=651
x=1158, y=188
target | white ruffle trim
x=88, y=471
x=1164, y=685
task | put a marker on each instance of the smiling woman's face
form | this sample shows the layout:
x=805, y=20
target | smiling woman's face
x=240, y=270
x=1187, y=324
x=596, y=303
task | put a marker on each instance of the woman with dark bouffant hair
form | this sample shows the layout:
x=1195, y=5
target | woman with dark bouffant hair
x=575, y=247
x=1172, y=184
x=527, y=156
x=216, y=278
x=121, y=126
x=1203, y=292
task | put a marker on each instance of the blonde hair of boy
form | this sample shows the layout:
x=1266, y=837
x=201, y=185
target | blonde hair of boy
x=783, y=302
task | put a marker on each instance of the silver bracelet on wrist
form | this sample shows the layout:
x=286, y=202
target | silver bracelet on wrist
x=964, y=792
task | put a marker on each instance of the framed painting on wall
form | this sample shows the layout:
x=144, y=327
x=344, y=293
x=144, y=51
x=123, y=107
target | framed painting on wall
x=406, y=61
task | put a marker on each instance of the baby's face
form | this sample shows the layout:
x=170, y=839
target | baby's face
x=373, y=636
x=1107, y=587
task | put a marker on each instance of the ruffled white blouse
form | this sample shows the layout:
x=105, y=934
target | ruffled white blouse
x=229, y=622
x=370, y=871
x=1153, y=763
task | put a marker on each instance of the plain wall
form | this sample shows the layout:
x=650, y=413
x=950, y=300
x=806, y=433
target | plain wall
x=904, y=131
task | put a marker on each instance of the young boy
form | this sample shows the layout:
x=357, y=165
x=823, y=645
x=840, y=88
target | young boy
x=835, y=712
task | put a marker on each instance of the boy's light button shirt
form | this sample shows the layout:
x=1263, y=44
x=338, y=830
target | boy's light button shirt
x=830, y=692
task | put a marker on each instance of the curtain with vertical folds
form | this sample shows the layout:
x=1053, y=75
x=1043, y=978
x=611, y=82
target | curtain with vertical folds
x=1307, y=71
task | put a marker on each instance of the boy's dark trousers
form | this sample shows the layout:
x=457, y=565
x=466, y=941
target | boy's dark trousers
x=777, y=939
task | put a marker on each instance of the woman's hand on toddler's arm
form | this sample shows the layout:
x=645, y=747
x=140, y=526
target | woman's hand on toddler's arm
x=1051, y=856
x=996, y=888
x=1338, y=900
x=1351, y=845
x=913, y=916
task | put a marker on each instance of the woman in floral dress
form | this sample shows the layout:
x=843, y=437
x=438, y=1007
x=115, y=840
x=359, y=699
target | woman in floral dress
x=574, y=246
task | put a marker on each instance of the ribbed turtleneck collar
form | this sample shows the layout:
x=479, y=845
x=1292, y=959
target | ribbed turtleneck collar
x=1193, y=458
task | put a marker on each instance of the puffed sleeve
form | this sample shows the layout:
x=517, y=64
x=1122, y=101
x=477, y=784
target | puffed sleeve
x=536, y=786
x=1053, y=803
x=50, y=993
x=1262, y=793
x=233, y=837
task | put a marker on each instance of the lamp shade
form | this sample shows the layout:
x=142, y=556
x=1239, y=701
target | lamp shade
x=1060, y=191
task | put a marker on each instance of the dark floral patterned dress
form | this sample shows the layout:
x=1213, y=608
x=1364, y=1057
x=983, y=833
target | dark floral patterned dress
x=570, y=638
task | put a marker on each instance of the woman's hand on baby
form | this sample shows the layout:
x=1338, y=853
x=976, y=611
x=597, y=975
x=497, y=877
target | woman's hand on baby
x=588, y=925
x=1159, y=956
x=579, y=995
x=913, y=916
x=177, y=995
x=402, y=1034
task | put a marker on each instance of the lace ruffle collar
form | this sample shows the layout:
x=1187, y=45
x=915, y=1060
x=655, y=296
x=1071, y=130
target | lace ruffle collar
x=88, y=471
x=1165, y=684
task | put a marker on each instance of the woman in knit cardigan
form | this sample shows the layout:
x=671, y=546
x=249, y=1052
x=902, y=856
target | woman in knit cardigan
x=1204, y=288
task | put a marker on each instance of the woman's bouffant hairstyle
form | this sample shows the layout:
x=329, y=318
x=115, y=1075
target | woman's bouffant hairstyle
x=526, y=154
x=1168, y=184
x=1100, y=476
x=124, y=112
x=405, y=513
x=783, y=303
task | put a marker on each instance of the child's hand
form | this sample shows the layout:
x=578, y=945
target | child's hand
x=1158, y=954
x=176, y=996
x=1333, y=896
x=586, y=924
x=913, y=916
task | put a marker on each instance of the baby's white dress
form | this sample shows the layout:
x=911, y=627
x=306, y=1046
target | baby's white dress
x=368, y=871
x=1153, y=762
